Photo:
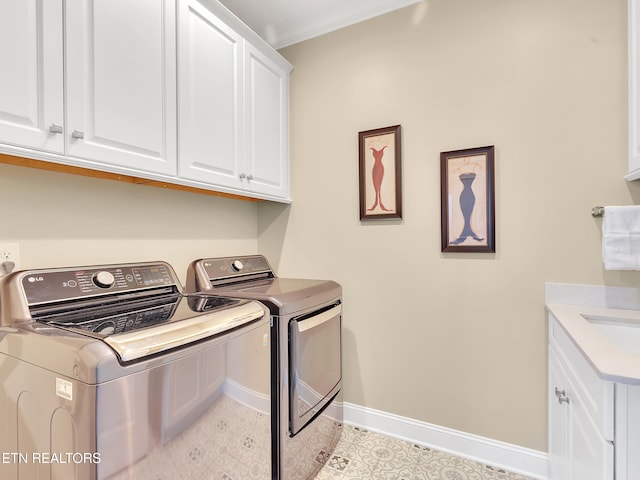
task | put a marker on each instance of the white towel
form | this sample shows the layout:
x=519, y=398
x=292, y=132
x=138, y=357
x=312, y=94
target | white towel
x=621, y=238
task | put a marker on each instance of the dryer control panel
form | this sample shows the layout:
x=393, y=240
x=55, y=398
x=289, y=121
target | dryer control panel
x=235, y=266
x=210, y=273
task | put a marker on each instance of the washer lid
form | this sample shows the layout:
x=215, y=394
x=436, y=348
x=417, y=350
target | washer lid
x=136, y=309
x=138, y=329
x=145, y=342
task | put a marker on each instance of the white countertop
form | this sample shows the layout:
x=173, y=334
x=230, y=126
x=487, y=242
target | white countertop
x=609, y=361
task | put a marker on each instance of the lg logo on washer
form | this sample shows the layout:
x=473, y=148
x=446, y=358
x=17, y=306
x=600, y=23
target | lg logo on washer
x=35, y=279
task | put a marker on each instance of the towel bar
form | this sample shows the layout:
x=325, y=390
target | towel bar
x=597, y=211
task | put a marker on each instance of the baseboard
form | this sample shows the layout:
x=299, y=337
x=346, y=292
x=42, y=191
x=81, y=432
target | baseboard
x=525, y=461
x=258, y=401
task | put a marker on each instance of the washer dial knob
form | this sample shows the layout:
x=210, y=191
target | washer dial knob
x=237, y=265
x=106, y=328
x=104, y=279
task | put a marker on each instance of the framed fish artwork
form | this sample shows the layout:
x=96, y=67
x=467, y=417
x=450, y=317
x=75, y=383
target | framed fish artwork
x=380, y=173
x=468, y=200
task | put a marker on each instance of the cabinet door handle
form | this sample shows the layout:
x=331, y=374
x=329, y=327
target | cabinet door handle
x=55, y=128
x=562, y=396
x=243, y=175
x=77, y=134
x=249, y=177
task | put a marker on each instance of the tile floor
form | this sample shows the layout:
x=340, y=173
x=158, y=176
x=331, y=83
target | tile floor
x=363, y=455
x=231, y=442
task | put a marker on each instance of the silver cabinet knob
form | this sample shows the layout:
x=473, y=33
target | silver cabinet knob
x=77, y=134
x=249, y=177
x=55, y=128
x=243, y=175
x=562, y=396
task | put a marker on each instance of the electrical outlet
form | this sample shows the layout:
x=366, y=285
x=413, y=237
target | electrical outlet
x=10, y=252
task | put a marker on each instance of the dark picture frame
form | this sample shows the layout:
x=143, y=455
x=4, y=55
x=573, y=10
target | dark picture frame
x=467, y=185
x=379, y=158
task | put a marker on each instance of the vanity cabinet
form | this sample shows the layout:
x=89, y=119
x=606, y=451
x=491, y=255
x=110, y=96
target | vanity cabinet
x=122, y=82
x=594, y=423
x=233, y=105
x=581, y=414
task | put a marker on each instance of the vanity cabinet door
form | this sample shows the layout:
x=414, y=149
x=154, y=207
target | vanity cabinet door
x=121, y=86
x=627, y=432
x=577, y=449
x=558, y=421
x=31, y=94
x=591, y=457
x=580, y=410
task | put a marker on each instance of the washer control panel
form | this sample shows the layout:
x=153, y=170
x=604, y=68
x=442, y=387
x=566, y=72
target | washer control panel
x=46, y=286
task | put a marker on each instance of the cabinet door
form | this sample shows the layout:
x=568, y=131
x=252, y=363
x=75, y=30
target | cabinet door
x=121, y=83
x=267, y=110
x=31, y=98
x=558, y=420
x=591, y=455
x=633, y=13
x=577, y=449
x=627, y=431
x=209, y=96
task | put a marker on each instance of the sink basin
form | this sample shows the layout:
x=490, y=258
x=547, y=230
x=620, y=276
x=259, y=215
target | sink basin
x=624, y=333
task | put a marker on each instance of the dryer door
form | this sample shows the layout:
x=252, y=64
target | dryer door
x=315, y=364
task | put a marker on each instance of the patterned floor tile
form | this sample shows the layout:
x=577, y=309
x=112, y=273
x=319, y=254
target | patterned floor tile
x=362, y=455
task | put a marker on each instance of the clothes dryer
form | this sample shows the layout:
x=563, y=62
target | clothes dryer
x=306, y=363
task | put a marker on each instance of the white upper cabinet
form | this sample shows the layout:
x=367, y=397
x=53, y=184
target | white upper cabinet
x=266, y=117
x=210, y=96
x=176, y=91
x=633, y=8
x=233, y=104
x=31, y=95
x=121, y=86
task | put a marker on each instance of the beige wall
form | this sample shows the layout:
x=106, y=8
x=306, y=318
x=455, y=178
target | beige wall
x=457, y=340
x=62, y=220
